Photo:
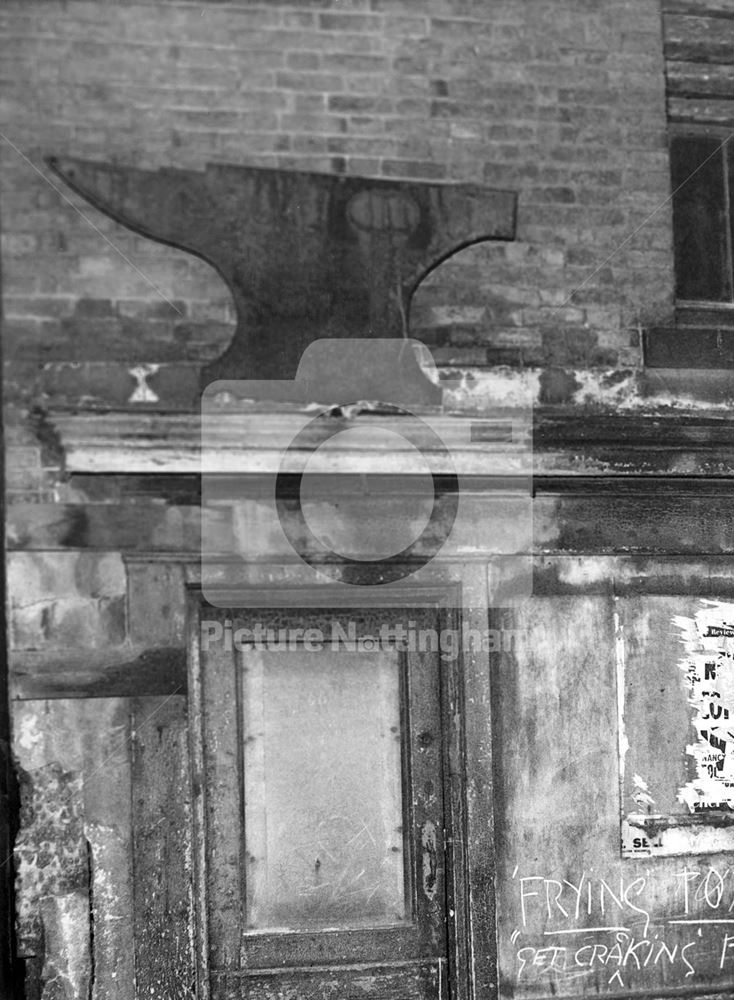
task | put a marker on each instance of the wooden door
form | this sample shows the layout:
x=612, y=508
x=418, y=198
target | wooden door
x=319, y=775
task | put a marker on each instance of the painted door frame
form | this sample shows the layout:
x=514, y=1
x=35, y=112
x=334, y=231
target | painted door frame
x=465, y=696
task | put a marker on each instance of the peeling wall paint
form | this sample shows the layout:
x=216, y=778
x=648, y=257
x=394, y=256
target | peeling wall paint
x=67, y=967
x=73, y=855
x=708, y=669
x=615, y=389
x=143, y=392
x=676, y=719
x=51, y=849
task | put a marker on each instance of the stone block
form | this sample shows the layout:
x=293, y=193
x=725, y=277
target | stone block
x=69, y=623
x=35, y=577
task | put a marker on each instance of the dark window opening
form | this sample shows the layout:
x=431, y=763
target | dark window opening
x=702, y=174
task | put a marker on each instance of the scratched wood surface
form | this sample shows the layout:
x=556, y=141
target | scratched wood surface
x=223, y=830
x=425, y=760
x=161, y=847
x=473, y=796
x=363, y=982
x=575, y=918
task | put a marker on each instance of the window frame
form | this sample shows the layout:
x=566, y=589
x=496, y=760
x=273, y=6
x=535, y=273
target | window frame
x=723, y=309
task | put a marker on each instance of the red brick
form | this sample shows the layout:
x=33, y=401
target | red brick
x=303, y=60
x=350, y=22
x=344, y=104
x=309, y=81
x=309, y=102
x=355, y=63
x=412, y=168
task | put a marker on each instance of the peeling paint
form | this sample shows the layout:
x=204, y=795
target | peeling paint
x=600, y=389
x=67, y=966
x=581, y=572
x=476, y=390
x=111, y=912
x=620, y=665
x=430, y=863
x=708, y=669
x=51, y=849
x=29, y=736
x=641, y=795
x=615, y=389
x=143, y=392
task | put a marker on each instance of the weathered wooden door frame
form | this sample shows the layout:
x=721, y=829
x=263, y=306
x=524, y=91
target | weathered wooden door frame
x=9, y=805
x=465, y=701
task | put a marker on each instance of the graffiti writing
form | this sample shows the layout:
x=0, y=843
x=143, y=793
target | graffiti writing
x=626, y=927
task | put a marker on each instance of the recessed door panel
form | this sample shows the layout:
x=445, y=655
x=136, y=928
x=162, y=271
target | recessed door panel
x=323, y=791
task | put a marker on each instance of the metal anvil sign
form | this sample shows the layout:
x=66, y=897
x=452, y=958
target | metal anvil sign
x=305, y=256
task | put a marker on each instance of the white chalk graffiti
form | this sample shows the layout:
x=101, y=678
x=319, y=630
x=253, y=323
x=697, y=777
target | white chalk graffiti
x=570, y=928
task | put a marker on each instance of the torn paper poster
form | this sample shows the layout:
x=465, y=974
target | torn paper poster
x=708, y=669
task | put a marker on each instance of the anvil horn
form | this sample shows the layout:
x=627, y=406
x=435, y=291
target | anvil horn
x=306, y=256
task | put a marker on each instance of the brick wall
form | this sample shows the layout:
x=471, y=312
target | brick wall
x=561, y=100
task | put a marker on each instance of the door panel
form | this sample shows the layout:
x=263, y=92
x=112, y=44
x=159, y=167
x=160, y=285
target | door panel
x=323, y=790
x=322, y=804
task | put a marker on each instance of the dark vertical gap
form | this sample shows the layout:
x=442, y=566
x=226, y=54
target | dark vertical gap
x=502, y=698
x=238, y=664
x=453, y=738
x=11, y=976
x=410, y=887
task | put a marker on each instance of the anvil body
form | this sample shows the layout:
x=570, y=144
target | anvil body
x=306, y=256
